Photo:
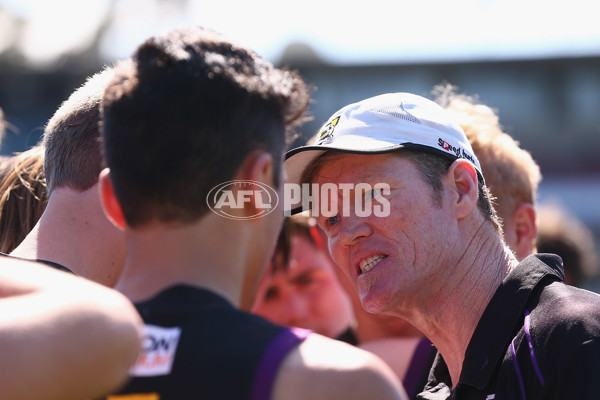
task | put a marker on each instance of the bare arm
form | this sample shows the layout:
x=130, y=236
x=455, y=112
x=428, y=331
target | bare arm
x=397, y=352
x=62, y=337
x=322, y=368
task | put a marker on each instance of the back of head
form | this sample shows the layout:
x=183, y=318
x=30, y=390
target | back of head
x=561, y=233
x=182, y=117
x=510, y=172
x=22, y=196
x=71, y=138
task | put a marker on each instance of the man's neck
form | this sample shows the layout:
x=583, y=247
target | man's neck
x=74, y=232
x=199, y=254
x=452, y=315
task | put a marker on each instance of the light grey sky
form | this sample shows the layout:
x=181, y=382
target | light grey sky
x=341, y=32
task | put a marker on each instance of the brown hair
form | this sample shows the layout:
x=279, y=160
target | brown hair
x=562, y=233
x=22, y=196
x=300, y=225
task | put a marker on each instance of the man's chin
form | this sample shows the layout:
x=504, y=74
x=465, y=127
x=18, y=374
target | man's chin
x=373, y=305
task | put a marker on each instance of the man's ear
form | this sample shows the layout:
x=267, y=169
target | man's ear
x=257, y=167
x=260, y=168
x=463, y=179
x=110, y=204
x=525, y=230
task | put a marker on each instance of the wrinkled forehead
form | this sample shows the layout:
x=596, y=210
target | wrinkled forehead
x=353, y=168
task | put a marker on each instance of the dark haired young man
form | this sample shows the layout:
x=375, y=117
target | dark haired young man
x=191, y=112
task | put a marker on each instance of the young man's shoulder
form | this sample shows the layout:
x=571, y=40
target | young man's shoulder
x=320, y=367
x=269, y=360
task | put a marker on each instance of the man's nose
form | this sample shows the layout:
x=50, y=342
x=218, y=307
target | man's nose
x=352, y=228
x=296, y=309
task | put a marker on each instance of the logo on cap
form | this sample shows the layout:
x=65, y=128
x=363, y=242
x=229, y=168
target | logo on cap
x=458, y=151
x=448, y=147
x=326, y=134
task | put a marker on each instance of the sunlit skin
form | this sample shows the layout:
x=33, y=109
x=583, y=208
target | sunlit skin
x=268, y=230
x=519, y=228
x=415, y=243
x=307, y=295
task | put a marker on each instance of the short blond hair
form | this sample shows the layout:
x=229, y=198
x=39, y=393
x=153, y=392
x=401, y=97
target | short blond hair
x=72, y=137
x=510, y=171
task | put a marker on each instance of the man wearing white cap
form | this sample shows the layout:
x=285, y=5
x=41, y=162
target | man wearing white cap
x=436, y=256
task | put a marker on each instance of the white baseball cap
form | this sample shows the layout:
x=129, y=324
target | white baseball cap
x=384, y=124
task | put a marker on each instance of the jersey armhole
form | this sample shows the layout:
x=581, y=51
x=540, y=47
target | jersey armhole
x=272, y=358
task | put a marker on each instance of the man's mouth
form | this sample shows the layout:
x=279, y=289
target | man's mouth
x=366, y=264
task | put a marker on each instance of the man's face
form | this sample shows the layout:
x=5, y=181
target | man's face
x=395, y=262
x=307, y=295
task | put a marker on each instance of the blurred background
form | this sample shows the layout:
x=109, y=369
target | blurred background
x=536, y=62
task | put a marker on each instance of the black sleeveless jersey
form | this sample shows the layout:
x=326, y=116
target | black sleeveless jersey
x=198, y=346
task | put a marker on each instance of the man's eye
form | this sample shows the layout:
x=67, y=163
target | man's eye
x=371, y=193
x=271, y=293
x=332, y=221
x=304, y=280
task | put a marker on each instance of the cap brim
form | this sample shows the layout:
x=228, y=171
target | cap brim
x=296, y=160
x=299, y=158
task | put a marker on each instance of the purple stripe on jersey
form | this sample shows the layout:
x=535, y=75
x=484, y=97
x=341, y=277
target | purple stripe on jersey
x=272, y=358
x=418, y=367
x=517, y=369
x=531, y=352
